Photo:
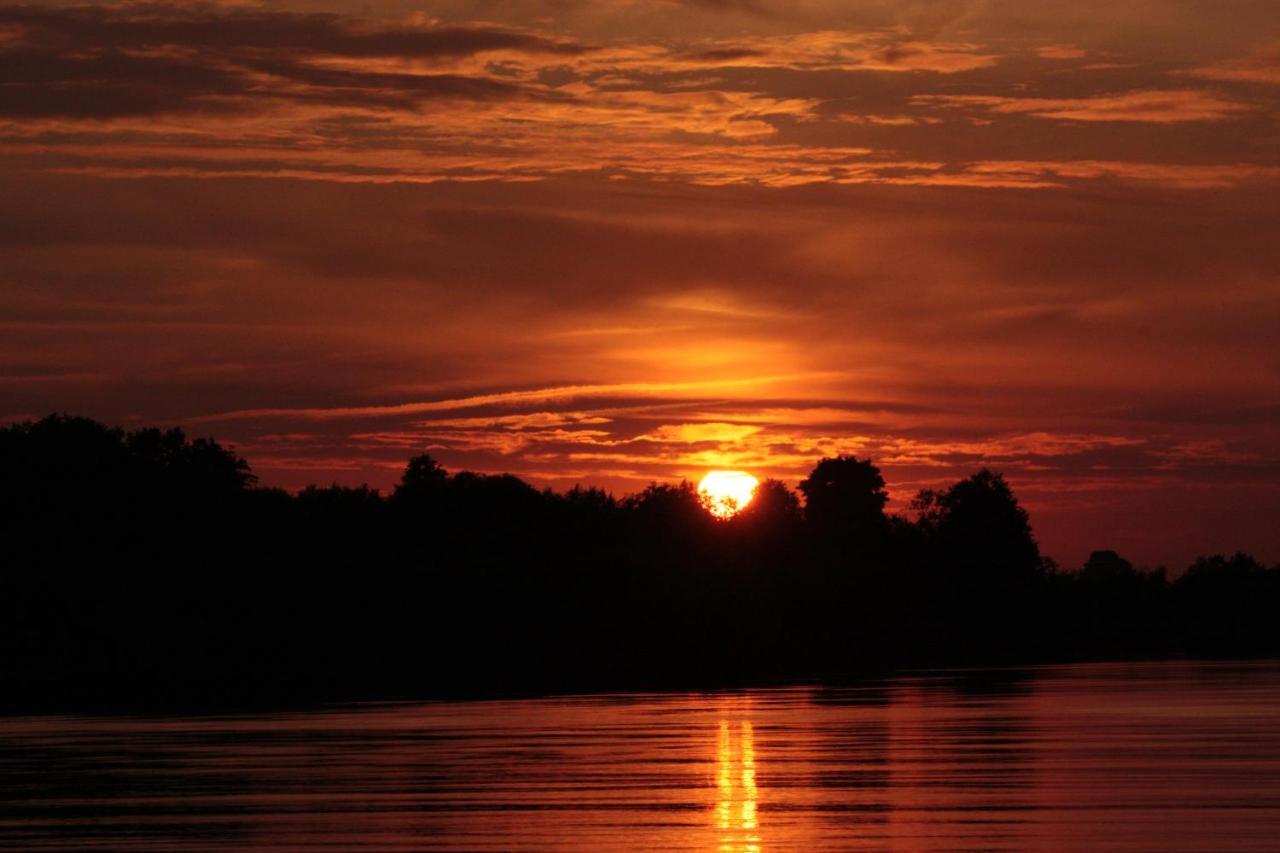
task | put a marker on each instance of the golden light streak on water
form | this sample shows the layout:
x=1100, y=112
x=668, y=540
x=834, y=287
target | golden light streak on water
x=736, y=813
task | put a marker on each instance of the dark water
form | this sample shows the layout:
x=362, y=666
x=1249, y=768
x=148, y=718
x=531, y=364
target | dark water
x=1152, y=756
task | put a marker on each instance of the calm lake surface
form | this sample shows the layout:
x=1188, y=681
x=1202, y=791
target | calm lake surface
x=1150, y=756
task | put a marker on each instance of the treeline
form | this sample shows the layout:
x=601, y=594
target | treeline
x=143, y=568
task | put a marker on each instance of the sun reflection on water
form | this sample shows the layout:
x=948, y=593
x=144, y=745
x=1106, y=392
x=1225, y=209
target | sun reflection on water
x=737, y=796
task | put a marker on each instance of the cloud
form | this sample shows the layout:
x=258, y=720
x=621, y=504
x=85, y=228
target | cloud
x=177, y=91
x=144, y=27
x=1178, y=175
x=569, y=392
x=99, y=62
x=1061, y=51
x=1153, y=106
x=698, y=433
x=1261, y=66
x=825, y=50
x=531, y=420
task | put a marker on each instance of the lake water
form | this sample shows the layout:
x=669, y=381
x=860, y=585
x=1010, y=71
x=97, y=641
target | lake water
x=1150, y=756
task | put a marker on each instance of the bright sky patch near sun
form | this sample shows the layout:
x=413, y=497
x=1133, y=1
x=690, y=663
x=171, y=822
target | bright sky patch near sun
x=612, y=242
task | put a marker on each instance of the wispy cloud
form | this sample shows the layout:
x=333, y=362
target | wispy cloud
x=1152, y=106
x=539, y=395
x=1260, y=66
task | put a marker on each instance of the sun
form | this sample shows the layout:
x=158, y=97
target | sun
x=727, y=492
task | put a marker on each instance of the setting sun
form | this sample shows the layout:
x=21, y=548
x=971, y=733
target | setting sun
x=727, y=492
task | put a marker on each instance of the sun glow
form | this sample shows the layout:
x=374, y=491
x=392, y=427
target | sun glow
x=727, y=492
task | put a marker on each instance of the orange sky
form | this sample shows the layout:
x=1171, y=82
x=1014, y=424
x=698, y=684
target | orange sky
x=607, y=242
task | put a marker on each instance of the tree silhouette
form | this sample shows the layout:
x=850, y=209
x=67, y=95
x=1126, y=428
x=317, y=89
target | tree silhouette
x=845, y=496
x=422, y=483
x=145, y=567
x=773, y=507
x=678, y=504
x=979, y=530
x=1107, y=568
x=1116, y=607
x=1224, y=603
